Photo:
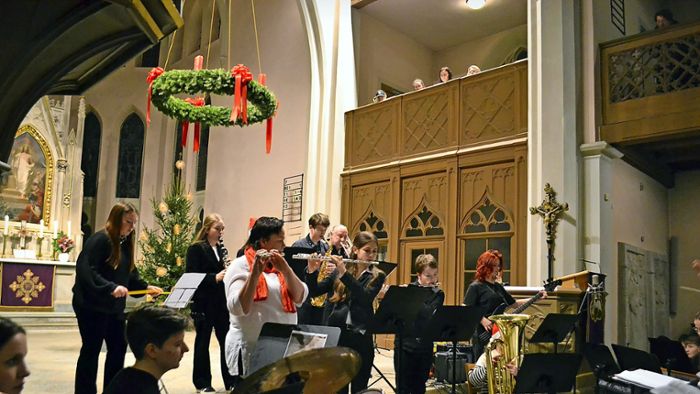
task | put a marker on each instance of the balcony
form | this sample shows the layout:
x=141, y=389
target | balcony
x=651, y=99
x=448, y=118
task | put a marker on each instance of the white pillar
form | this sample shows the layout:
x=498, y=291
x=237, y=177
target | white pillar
x=599, y=244
x=553, y=130
x=329, y=29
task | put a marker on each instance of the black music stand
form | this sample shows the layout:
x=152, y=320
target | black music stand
x=601, y=361
x=398, y=309
x=548, y=373
x=671, y=354
x=453, y=323
x=274, y=337
x=631, y=359
x=554, y=328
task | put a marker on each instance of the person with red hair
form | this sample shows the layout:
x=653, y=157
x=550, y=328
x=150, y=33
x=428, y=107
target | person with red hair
x=486, y=293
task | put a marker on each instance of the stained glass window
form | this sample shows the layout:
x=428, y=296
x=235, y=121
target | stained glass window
x=91, y=154
x=130, y=157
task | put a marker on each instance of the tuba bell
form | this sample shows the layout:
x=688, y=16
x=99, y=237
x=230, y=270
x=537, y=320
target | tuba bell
x=509, y=345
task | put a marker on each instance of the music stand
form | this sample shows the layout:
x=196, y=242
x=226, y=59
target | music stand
x=274, y=337
x=453, y=323
x=183, y=291
x=398, y=309
x=554, y=328
x=631, y=359
x=548, y=373
x=671, y=354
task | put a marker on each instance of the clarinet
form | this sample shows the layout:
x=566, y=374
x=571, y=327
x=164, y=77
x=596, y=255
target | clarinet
x=224, y=253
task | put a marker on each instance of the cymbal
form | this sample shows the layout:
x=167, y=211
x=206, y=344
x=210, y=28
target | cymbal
x=324, y=370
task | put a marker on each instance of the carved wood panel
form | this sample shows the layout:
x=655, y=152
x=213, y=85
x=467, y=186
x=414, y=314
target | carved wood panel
x=372, y=200
x=498, y=179
x=374, y=134
x=427, y=191
x=489, y=108
x=429, y=121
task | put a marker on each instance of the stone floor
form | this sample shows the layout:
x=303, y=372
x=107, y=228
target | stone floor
x=53, y=354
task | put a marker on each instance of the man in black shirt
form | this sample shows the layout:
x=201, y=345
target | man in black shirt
x=318, y=224
x=156, y=336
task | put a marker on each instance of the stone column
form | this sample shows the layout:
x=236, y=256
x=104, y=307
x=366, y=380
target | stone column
x=553, y=122
x=329, y=29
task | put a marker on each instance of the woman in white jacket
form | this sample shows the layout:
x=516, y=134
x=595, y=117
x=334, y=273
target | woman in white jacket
x=260, y=288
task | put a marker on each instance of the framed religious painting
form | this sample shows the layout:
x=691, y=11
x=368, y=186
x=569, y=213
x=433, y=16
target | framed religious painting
x=25, y=190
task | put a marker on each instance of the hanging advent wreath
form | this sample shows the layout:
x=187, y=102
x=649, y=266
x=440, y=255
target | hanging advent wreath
x=253, y=102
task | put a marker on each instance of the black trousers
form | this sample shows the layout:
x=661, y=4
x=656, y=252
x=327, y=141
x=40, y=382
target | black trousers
x=415, y=369
x=201, y=373
x=96, y=328
x=364, y=345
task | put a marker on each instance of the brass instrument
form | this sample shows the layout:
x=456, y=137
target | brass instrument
x=512, y=330
x=318, y=301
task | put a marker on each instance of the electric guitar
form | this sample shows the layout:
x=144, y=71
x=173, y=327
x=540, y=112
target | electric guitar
x=549, y=285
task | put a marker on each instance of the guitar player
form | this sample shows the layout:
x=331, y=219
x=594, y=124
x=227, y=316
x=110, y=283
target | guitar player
x=486, y=293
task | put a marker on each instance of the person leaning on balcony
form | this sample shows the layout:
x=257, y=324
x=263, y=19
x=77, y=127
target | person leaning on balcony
x=664, y=18
x=444, y=75
x=418, y=84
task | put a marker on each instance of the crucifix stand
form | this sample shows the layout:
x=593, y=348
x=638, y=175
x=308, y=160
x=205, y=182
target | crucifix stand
x=550, y=210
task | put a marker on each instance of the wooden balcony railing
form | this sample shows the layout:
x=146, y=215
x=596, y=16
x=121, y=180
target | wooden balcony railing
x=464, y=112
x=650, y=85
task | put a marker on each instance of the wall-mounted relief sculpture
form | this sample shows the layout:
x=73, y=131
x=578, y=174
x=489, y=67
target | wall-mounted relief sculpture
x=26, y=190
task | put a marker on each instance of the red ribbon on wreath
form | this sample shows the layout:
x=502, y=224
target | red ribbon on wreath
x=152, y=76
x=262, y=79
x=197, y=102
x=242, y=76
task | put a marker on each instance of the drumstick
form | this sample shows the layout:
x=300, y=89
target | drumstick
x=139, y=292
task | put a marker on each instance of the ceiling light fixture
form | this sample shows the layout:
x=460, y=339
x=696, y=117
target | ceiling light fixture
x=476, y=4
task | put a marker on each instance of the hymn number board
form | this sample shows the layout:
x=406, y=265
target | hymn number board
x=292, y=197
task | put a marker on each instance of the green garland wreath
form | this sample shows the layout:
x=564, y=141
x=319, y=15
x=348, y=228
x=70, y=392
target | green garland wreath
x=261, y=102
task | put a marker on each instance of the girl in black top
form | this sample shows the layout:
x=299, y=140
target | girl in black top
x=351, y=290
x=105, y=272
x=486, y=293
x=208, y=255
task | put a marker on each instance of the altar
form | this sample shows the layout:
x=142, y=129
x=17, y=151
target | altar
x=37, y=293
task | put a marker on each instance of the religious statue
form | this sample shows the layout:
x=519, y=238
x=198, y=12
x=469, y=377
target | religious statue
x=550, y=210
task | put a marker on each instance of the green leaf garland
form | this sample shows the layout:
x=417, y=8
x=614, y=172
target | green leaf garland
x=261, y=102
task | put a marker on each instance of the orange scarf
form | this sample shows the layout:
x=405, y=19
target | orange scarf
x=261, y=288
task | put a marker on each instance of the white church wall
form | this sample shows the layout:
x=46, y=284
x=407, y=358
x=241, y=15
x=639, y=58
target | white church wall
x=384, y=55
x=486, y=52
x=684, y=222
x=242, y=181
x=639, y=206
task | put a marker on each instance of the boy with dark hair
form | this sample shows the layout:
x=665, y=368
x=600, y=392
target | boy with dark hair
x=318, y=224
x=156, y=336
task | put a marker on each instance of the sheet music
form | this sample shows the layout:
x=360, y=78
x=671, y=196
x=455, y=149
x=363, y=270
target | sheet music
x=300, y=340
x=184, y=289
x=648, y=379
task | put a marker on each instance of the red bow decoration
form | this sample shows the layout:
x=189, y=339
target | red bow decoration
x=242, y=75
x=197, y=102
x=152, y=76
x=262, y=78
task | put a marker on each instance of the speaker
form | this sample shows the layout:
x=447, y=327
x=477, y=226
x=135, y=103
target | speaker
x=443, y=367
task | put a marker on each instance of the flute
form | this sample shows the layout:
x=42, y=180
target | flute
x=306, y=256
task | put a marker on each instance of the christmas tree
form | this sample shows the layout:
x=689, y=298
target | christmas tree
x=165, y=246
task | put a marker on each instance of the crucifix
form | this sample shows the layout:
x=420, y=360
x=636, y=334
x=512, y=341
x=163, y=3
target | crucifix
x=550, y=211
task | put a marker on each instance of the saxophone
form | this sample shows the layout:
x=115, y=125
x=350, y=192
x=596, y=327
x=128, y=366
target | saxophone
x=318, y=301
x=512, y=330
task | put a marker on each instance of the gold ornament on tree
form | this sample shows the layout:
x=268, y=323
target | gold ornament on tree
x=178, y=261
x=176, y=229
x=180, y=165
x=163, y=208
x=161, y=272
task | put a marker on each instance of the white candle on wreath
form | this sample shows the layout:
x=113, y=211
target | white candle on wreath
x=69, y=229
x=7, y=225
x=41, y=228
x=55, y=229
